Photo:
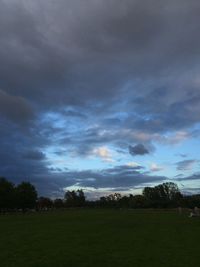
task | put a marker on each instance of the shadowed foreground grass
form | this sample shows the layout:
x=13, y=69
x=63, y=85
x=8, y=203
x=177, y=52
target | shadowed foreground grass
x=88, y=238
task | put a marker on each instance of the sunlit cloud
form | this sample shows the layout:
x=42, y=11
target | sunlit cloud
x=155, y=167
x=104, y=153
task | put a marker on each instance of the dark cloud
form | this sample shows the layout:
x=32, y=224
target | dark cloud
x=21, y=151
x=15, y=108
x=75, y=75
x=186, y=164
x=34, y=155
x=73, y=113
x=118, y=178
x=89, y=52
x=195, y=176
x=52, y=181
x=139, y=149
x=93, y=50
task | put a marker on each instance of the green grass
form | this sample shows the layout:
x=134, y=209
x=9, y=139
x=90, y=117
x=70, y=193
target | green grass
x=87, y=238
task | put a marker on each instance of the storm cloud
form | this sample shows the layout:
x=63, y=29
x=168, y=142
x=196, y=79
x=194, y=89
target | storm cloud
x=76, y=76
x=139, y=149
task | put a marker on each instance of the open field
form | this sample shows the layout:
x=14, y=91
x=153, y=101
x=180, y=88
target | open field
x=87, y=238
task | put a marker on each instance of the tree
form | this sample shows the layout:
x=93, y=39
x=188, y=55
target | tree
x=125, y=201
x=44, y=203
x=163, y=195
x=6, y=194
x=151, y=196
x=137, y=201
x=26, y=196
x=75, y=198
x=169, y=190
x=112, y=200
x=58, y=203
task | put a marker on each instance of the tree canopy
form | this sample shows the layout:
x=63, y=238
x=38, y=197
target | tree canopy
x=22, y=196
x=75, y=198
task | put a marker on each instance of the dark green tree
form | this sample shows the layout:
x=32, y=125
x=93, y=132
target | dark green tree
x=162, y=195
x=26, y=195
x=58, y=203
x=137, y=201
x=7, y=194
x=44, y=203
x=75, y=198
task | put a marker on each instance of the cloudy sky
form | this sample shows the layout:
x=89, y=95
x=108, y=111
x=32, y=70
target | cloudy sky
x=102, y=95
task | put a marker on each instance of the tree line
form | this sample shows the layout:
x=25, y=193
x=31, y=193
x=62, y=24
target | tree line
x=166, y=195
x=25, y=197
x=22, y=196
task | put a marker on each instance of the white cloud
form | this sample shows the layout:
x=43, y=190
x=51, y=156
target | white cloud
x=155, y=168
x=104, y=153
x=132, y=164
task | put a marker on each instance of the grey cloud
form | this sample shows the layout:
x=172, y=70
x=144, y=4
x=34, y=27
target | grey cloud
x=74, y=113
x=72, y=62
x=90, y=42
x=20, y=154
x=34, y=155
x=139, y=149
x=186, y=164
x=116, y=177
x=190, y=191
x=122, y=168
x=53, y=181
x=194, y=176
x=87, y=61
x=15, y=108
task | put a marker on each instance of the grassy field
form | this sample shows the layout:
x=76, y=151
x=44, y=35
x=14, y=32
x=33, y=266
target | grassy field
x=88, y=238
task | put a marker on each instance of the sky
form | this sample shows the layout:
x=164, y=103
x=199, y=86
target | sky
x=102, y=95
